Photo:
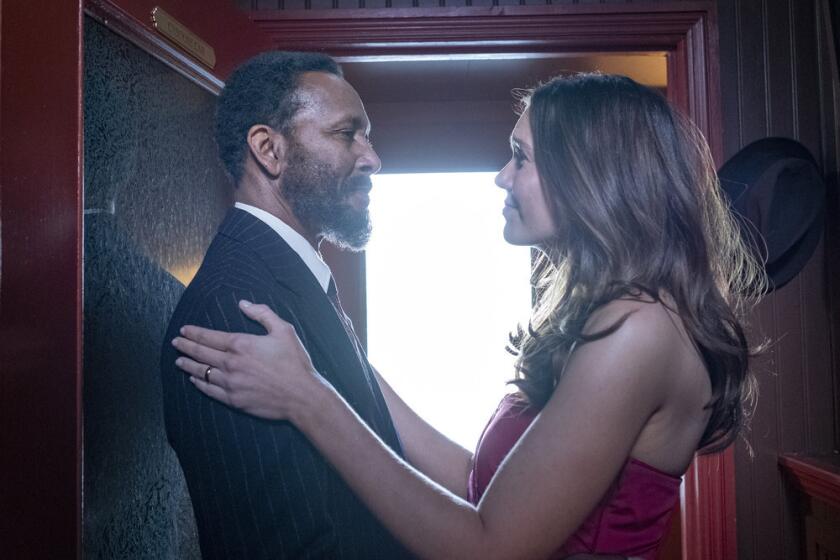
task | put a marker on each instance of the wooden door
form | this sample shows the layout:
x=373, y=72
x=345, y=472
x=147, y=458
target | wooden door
x=42, y=205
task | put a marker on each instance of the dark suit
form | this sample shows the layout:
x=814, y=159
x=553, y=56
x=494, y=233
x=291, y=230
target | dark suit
x=259, y=488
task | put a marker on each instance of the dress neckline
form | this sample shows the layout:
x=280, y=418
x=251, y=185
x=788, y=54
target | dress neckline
x=654, y=470
x=514, y=400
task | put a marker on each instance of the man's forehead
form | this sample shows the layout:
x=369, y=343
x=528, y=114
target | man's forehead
x=323, y=83
x=328, y=96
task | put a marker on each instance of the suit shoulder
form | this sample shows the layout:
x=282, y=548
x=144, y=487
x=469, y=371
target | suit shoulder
x=230, y=261
x=215, y=300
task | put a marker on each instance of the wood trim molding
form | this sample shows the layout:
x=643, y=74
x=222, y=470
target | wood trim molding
x=818, y=477
x=499, y=29
x=232, y=35
x=142, y=35
x=686, y=31
x=708, y=507
x=709, y=519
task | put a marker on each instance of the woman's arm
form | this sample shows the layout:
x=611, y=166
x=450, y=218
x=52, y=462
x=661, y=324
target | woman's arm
x=428, y=450
x=552, y=479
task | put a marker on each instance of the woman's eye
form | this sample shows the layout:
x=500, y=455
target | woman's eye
x=518, y=157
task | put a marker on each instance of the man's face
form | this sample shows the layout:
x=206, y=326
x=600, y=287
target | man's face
x=330, y=161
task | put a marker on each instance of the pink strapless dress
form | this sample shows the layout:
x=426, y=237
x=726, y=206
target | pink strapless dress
x=632, y=518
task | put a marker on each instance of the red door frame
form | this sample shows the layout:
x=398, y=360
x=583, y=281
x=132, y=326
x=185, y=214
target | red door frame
x=686, y=31
x=40, y=277
x=41, y=198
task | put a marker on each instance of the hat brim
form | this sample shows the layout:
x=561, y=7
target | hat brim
x=787, y=266
x=753, y=159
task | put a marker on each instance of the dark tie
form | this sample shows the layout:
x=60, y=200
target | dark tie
x=332, y=293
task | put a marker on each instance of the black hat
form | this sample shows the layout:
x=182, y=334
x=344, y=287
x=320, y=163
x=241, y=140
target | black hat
x=777, y=192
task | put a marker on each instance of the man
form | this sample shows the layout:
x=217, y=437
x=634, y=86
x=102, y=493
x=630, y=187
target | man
x=293, y=134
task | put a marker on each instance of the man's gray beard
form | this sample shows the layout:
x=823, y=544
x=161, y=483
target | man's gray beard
x=318, y=199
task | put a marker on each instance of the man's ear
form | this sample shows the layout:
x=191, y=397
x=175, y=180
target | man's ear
x=268, y=148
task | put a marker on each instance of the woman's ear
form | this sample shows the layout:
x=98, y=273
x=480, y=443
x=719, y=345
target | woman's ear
x=268, y=148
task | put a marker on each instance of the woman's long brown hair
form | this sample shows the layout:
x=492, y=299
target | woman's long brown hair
x=632, y=187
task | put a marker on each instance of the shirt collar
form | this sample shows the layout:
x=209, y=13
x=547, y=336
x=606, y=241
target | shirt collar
x=311, y=258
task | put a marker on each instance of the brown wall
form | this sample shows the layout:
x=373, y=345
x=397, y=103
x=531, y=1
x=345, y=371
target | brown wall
x=777, y=78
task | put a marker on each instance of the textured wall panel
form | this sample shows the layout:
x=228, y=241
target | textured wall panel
x=154, y=193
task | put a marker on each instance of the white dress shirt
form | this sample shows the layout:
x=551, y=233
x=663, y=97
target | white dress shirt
x=296, y=241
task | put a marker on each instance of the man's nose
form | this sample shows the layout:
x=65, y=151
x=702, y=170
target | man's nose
x=369, y=161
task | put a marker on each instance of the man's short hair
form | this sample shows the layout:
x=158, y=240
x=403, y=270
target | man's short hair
x=262, y=91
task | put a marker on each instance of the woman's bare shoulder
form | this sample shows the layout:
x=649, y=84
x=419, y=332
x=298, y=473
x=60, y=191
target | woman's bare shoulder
x=641, y=339
x=637, y=317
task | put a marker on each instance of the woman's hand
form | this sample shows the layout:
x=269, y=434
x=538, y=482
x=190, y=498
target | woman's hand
x=268, y=376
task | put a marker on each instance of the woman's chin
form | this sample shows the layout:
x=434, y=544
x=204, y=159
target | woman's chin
x=514, y=237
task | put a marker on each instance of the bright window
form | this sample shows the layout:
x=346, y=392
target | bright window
x=444, y=290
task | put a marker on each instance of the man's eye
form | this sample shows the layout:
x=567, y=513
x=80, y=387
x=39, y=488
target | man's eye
x=348, y=133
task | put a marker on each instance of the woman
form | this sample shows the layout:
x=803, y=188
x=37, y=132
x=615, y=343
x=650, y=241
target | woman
x=634, y=357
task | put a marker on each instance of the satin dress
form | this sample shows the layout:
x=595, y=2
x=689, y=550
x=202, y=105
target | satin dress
x=634, y=515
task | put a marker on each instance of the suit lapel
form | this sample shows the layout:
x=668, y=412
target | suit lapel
x=334, y=354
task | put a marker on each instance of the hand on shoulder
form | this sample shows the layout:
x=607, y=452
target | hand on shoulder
x=270, y=376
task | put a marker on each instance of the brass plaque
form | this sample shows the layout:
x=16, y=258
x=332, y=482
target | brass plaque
x=179, y=34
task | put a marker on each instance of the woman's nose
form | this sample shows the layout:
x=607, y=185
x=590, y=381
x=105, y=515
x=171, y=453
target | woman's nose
x=503, y=177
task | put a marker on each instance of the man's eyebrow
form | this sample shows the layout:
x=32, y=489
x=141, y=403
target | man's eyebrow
x=354, y=121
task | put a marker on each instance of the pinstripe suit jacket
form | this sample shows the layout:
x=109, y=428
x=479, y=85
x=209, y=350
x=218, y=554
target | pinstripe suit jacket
x=259, y=489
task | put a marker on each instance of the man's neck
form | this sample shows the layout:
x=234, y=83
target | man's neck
x=266, y=199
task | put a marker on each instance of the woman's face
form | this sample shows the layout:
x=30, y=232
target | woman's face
x=528, y=220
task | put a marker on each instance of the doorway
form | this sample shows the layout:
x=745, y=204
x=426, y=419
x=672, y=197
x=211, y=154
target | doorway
x=442, y=286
